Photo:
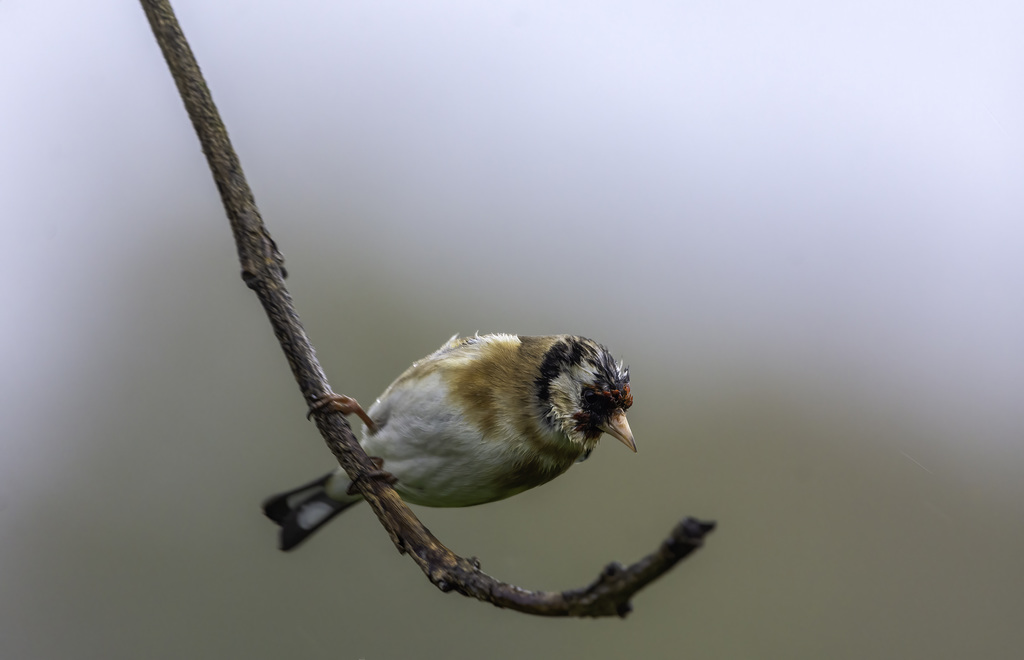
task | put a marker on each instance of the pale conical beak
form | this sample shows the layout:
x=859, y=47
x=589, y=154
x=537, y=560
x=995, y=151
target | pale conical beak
x=618, y=427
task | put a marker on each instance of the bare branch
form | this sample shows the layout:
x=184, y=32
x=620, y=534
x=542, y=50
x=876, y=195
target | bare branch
x=263, y=272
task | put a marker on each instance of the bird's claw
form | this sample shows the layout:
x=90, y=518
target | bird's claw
x=346, y=405
x=378, y=473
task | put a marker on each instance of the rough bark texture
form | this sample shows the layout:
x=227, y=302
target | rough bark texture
x=263, y=272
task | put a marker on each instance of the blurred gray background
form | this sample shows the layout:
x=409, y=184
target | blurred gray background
x=799, y=223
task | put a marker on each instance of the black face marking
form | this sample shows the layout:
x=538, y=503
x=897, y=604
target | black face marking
x=598, y=406
x=608, y=377
x=563, y=354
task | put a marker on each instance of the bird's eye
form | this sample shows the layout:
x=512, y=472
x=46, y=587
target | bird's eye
x=589, y=397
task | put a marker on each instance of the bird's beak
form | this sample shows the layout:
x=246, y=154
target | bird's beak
x=618, y=427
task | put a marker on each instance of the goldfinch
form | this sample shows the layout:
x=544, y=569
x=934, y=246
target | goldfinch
x=480, y=419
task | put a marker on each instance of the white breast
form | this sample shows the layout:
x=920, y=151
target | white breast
x=439, y=458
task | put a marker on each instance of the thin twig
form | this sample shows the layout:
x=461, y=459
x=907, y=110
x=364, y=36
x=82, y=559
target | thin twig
x=263, y=272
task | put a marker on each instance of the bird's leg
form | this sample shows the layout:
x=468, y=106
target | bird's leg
x=346, y=405
x=379, y=473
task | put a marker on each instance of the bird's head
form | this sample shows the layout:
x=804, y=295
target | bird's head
x=584, y=392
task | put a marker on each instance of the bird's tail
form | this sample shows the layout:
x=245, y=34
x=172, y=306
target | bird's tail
x=303, y=510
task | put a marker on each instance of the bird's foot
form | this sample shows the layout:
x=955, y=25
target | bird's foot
x=378, y=473
x=346, y=405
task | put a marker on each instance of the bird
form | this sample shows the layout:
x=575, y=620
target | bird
x=482, y=418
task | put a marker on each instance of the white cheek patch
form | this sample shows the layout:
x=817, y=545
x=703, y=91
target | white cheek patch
x=565, y=401
x=563, y=392
x=584, y=373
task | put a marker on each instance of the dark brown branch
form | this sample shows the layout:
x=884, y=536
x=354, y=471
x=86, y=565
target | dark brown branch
x=263, y=272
